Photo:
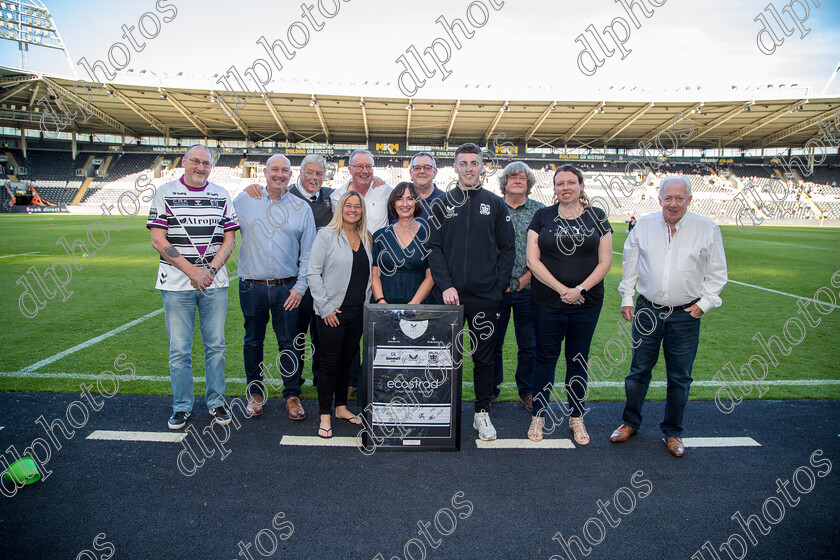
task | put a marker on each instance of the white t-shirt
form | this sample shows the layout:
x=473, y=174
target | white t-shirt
x=376, y=205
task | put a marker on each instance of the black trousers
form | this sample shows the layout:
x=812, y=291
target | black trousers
x=338, y=345
x=482, y=321
x=307, y=320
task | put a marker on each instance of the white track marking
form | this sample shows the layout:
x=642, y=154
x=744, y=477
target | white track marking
x=160, y=437
x=783, y=293
x=769, y=290
x=507, y=385
x=20, y=255
x=720, y=442
x=525, y=444
x=90, y=342
x=315, y=441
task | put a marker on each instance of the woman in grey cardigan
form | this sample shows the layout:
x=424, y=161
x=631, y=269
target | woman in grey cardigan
x=339, y=280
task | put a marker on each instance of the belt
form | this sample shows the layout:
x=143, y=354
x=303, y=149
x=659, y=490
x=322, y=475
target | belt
x=665, y=307
x=271, y=282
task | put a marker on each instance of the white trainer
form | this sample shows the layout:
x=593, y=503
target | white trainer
x=486, y=431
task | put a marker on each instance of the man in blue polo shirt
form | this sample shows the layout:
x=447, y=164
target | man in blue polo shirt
x=277, y=234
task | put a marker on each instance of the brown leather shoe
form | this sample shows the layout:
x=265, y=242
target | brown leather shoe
x=494, y=399
x=622, y=433
x=254, y=406
x=675, y=446
x=295, y=409
x=528, y=401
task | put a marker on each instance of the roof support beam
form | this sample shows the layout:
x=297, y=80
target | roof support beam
x=498, y=117
x=738, y=134
x=582, y=122
x=533, y=129
x=13, y=90
x=701, y=130
x=625, y=123
x=185, y=112
x=409, y=109
x=280, y=122
x=452, y=116
x=784, y=133
x=364, y=119
x=231, y=114
x=669, y=123
x=321, y=118
x=101, y=115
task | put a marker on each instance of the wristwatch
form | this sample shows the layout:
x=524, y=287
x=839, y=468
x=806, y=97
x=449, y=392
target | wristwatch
x=582, y=290
x=213, y=270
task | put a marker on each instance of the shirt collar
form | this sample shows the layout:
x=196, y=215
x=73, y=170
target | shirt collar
x=305, y=193
x=206, y=182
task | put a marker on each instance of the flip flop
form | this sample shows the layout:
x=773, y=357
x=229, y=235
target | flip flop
x=327, y=431
x=355, y=420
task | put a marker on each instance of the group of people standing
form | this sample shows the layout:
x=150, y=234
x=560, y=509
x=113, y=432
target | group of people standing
x=311, y=257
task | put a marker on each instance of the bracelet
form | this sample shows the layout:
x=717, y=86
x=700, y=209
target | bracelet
x=213, y=270
x=379, y=299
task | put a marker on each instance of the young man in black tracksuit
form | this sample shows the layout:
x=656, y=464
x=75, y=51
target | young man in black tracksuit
x=471, y=256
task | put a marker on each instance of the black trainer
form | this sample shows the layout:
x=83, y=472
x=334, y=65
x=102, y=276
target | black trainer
x=221, y=414
x=178, y=420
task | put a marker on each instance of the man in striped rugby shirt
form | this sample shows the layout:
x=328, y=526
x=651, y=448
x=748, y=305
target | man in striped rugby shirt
x=193, y=224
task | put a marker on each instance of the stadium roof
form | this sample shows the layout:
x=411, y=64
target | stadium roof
x=158, y=110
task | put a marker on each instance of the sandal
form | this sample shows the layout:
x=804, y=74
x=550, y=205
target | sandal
x=579, y=430
x=327, y=433
x=535, y=431
x=351, y=419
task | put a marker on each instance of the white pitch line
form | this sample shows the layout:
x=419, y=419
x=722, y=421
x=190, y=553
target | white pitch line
x=159, y=437
x=90, y=342
x=784, y=294
x=20, y=255
x=720, y=442
x=507, y=384
x=525, y=444
x=316, y=441
x=771, y=291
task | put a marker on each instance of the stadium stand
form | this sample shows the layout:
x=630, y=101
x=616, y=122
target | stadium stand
x=58, y=177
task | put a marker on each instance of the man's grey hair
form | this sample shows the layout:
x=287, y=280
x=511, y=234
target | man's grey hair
x=360, y=151
x=209, y=151
x=316, y=159
x=515, y=168
x=427, y=154
x=675, y=179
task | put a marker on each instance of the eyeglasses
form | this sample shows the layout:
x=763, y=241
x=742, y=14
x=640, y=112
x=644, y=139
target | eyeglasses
x=196, y=162
x=426, y=168
x=363, y=167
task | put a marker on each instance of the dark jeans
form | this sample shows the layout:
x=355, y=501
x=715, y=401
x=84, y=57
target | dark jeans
x=551, y=326
x=482, y=328
x=307, y=320
x=523, y=325
x=679, y=334
x=338, y=345
x=258, y=302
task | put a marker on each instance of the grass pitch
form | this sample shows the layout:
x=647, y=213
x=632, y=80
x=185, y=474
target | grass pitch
x=116, y=286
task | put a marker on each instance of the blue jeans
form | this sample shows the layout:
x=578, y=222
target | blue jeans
x=258, y=302
x=551, y=326
x=179, y=313
x=679, y=334
x=523, y=325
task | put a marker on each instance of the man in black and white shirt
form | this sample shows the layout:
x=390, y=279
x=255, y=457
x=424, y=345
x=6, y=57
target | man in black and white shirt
x=193, y=224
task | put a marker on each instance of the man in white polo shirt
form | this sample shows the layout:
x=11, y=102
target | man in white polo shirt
x=376, y=198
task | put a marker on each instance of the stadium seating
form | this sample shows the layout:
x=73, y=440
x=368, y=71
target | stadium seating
x=54, y=174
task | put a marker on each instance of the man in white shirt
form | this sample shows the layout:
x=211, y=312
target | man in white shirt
x=376, y=198
x=675, y=259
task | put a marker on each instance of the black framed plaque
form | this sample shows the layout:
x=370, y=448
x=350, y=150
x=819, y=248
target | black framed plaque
x=413, y=361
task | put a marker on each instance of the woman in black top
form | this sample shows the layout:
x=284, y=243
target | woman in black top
x=339, y=279
x=569, y=253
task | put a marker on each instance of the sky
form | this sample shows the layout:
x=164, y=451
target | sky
x=518, y=49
